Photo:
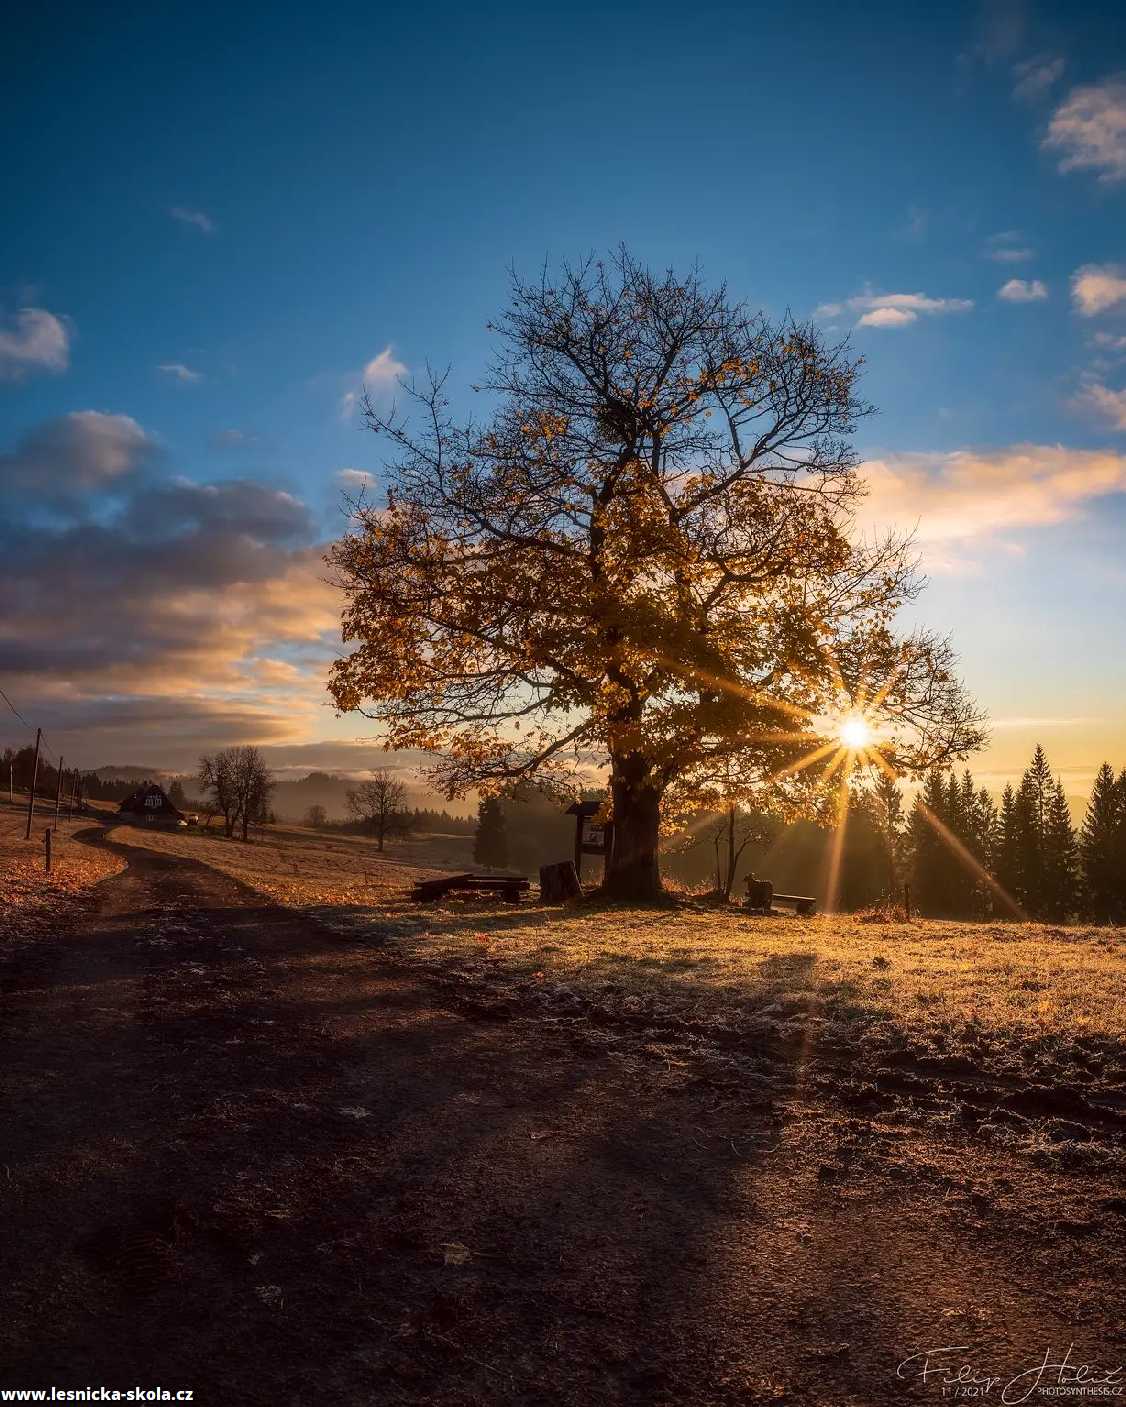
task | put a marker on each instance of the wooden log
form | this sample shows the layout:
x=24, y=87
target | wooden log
x=560, y=882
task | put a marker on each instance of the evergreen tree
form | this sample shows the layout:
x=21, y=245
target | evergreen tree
x=1060, y=859
x=490, y=843
x=1040, y=781
x=930, y=853
x=887, y=811
x=1006, y=863
x=1120, y=848
x=1101, y=846
x=1030, y=808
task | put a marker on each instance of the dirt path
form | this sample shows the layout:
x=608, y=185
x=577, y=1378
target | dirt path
x=242, y=1156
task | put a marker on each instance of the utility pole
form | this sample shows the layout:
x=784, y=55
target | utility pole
x=12, y=780
x=59, y=791
x=73, y=789
x=31, y=790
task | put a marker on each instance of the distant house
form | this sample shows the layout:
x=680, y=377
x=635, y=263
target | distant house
x=149, y=803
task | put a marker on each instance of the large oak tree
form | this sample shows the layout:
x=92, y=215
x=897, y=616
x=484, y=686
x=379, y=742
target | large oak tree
x=645, y=558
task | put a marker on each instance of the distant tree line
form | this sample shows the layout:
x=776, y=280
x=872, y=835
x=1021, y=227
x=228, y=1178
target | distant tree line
x=966, y=857
x=18, y=764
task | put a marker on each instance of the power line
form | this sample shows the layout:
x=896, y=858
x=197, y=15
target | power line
x=14, y=709
x=31, y=727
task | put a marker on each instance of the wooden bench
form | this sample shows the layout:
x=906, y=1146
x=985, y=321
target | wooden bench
x=511, y=888
x=802, y=903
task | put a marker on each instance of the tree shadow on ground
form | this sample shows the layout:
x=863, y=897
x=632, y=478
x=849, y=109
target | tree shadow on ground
x=264, y=1164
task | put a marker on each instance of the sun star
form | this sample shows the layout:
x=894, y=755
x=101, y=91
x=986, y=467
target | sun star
x=855, y=733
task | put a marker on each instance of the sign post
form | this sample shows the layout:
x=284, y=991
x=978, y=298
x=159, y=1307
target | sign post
x=592, y=837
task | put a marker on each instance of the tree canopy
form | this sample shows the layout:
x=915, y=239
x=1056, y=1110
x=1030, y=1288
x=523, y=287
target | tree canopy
x=644, y=560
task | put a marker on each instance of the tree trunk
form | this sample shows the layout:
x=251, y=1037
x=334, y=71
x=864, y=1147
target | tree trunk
x=633, y=872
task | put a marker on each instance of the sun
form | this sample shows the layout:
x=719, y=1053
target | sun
x=855, y=733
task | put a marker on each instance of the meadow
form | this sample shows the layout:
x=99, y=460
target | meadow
x=1009, y=1000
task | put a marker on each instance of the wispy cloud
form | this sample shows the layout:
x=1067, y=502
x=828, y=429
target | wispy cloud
x=893, y=309
x=1008, y=247
x=234, y=439
x=199, y=218
x=969, y=494
x=916, y=223
x=179, y=372
x=1110, y=341
x=1019, y=290
x=1107, y=404
x=354, y=481
x=999, y=32
x=1033, y=77
x=33, y=340
x=1096, y=288
x=378, y=377
x=1088, y=129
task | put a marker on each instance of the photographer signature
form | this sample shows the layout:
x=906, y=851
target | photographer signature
x=1053, y=1377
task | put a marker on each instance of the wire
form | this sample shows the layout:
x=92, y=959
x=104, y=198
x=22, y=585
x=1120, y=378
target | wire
x=43, y=744
x=14, y=709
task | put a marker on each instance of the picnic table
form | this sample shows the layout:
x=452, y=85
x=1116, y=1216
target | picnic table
x=510, y=888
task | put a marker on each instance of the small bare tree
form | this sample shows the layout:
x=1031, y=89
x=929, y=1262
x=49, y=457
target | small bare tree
x=240, y=785
x=379, y=803
x=254, y=785
x=216, y=776
x=316, y=816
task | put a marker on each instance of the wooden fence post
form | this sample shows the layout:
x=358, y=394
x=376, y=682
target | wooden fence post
x=31, y=790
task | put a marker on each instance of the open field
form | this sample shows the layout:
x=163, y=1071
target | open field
x=297, y=866
x=1027, y=1001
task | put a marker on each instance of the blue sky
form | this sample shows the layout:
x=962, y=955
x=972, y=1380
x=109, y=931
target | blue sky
x=219, y=217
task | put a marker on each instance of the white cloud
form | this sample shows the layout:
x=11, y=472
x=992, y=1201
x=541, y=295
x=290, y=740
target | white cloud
x=383, y=370
x=893, y=309
x=1035, y=76
x=888, y=317
x=968, y=494
x=1110, y=341
x=36, y=340
x=1108, y=405
x=354, y=481
x=1098, y=287
x=179, y=372
x=378, y=377
x=199, y=218
x=1019, y=290
x=1088, y=129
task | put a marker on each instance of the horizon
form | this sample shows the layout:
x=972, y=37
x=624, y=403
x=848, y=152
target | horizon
x=176, y=432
